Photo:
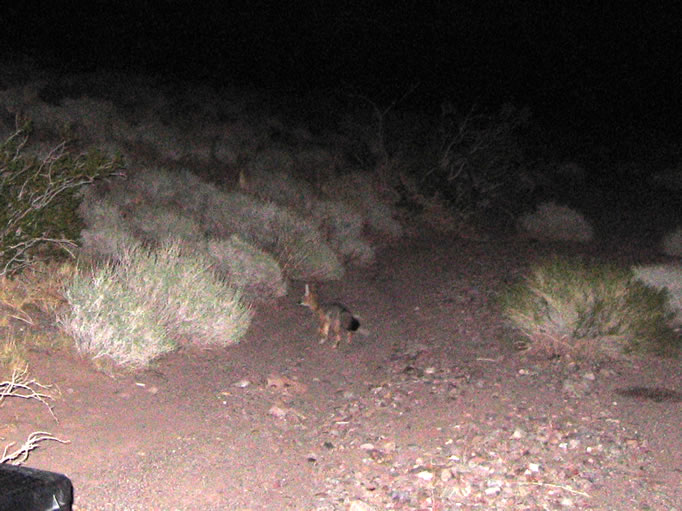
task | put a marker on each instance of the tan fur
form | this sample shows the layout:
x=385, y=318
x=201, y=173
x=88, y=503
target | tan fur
x=333, y=317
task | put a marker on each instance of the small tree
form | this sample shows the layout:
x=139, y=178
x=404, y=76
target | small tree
x=39, y=197
x=478, y=159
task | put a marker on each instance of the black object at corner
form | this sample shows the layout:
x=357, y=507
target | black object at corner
x=29, y=489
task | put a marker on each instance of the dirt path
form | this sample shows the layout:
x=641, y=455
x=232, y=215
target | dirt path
x=429, y=411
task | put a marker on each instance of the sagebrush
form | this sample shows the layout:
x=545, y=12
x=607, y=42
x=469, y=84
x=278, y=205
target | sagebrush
x=151, y=301
x=569, y=307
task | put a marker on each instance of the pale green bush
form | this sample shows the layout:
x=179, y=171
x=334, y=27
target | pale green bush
x=251, y=269
x=672, y=243
x=553, y=222
x=108, y=318
x=295, y=243
x=143, y=306
x=565, y=307
x=155, y=223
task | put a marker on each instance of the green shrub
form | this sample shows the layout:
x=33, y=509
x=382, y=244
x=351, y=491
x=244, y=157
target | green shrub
x=565, y=307
x=110, y=319
x=151, y=300
x=342, y=226
x=106, y=235
x=295, y=242
x=156, y=223
x=40, y=198
x=251, y=269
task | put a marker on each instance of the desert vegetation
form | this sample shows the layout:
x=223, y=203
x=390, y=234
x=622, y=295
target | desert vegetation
x=134, y=224
x=580, y=310
x=248, y=199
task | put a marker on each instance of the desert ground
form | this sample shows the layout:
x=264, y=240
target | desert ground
x=429, y=410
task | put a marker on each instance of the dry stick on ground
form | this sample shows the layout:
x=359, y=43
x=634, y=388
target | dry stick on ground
x=20, y=386
x=20, y=455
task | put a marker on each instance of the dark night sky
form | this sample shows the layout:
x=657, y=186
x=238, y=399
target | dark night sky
x=614, y=62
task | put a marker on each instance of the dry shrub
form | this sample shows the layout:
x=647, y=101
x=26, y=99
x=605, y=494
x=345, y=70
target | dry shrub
x=553, y=222
x=565, y=307
x=672, y=243
x=140, y=308
x=342, y=226
x=155, y=223
x=254, y=271
x=667, y=277
x=295, y=242
x=29, y=305
x=358, y=190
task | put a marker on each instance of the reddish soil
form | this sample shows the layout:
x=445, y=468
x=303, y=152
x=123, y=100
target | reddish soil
x=428, y=411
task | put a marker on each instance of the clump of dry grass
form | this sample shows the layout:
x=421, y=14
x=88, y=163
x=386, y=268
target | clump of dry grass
x=343, y=226
x=136, y=310
x=566, y=307
x=29, y=304
x=554, y=222
x=672, y=243
x=254, y=271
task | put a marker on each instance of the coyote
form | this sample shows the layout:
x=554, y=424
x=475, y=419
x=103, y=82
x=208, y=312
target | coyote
x=331, y=315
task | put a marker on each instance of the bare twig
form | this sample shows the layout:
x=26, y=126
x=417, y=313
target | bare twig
x=20, y=386
x=20, y=455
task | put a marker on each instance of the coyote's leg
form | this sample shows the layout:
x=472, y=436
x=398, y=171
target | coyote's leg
x=337, y=333
x=324, y=331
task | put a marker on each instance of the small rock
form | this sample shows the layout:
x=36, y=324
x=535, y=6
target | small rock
x=367, y=447
x=389, y=446
x=358, y=505
x=534, y=467
x=425, y=475
x=278, y=412
x=445, y=475
x=589, y=376
x=241, y=383
x=518, y=433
